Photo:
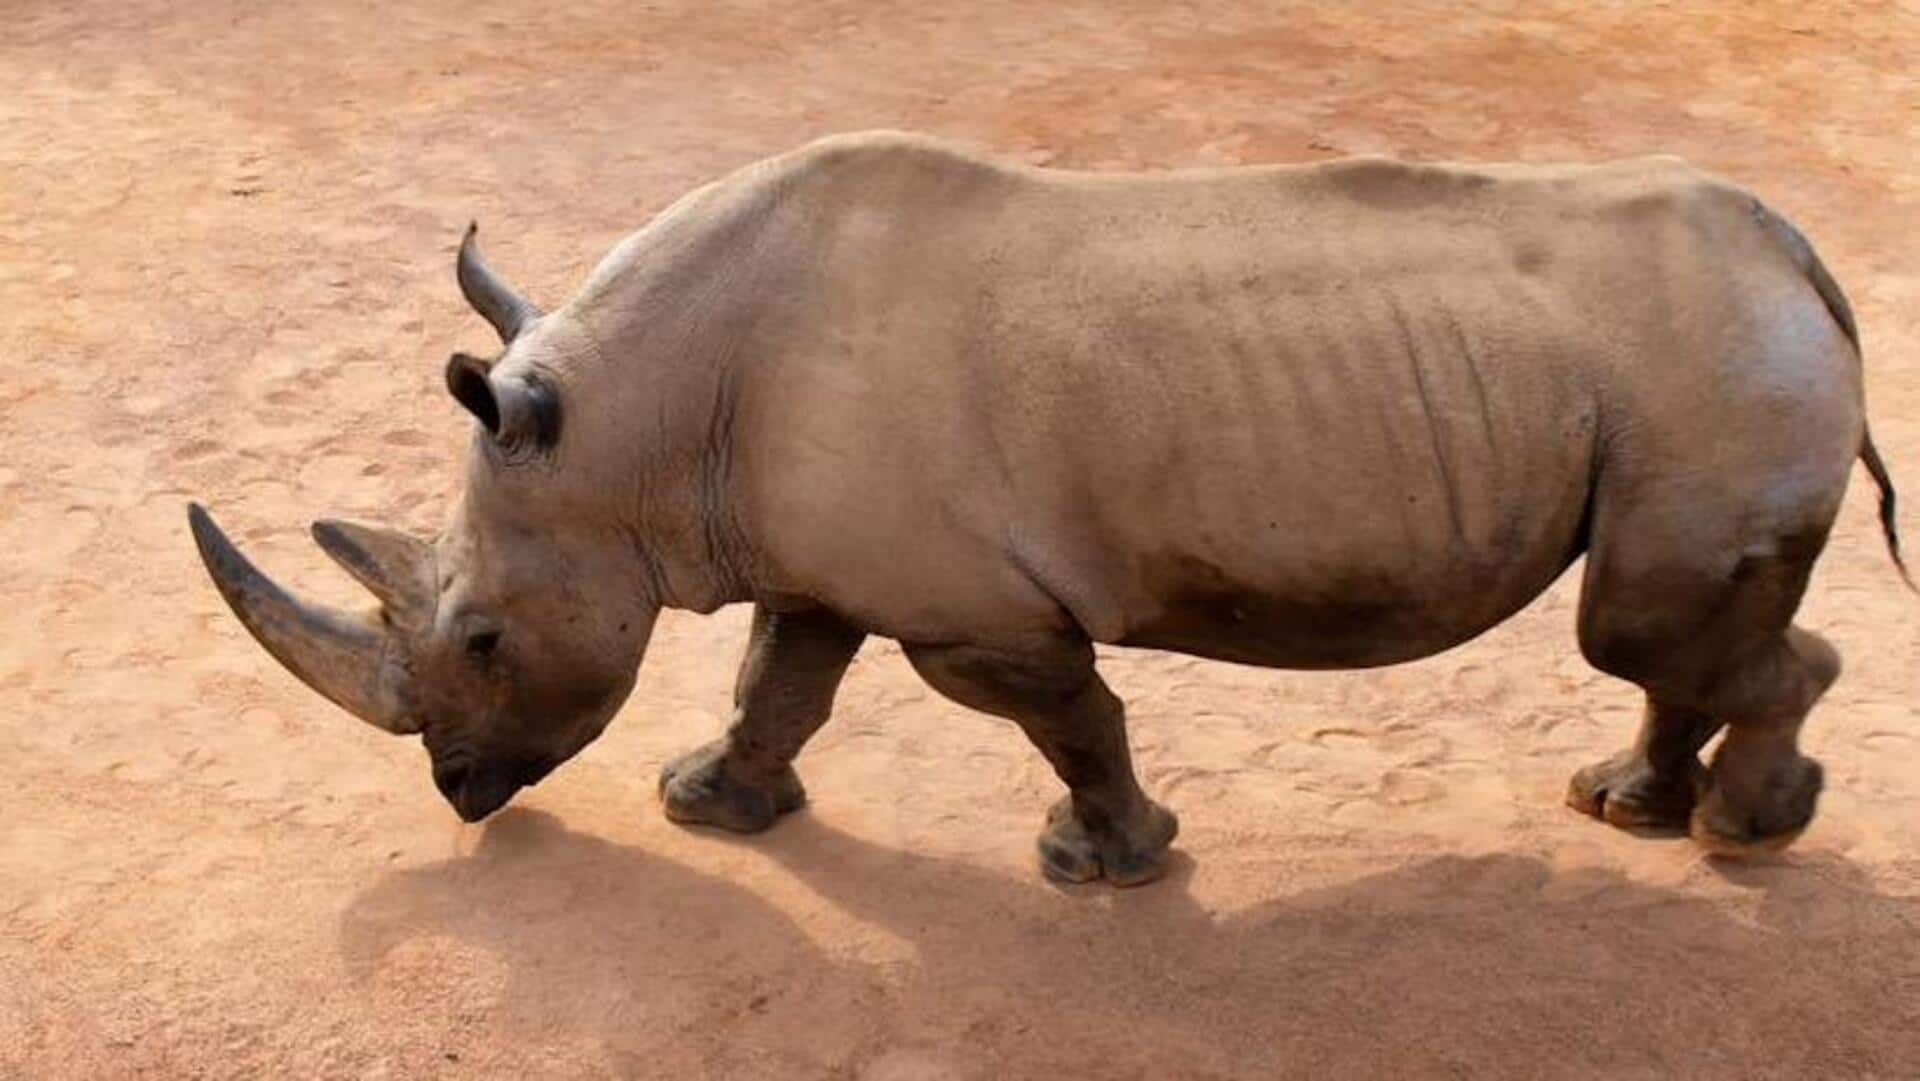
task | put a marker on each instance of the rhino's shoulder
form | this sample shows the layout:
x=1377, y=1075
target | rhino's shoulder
x=882, y=150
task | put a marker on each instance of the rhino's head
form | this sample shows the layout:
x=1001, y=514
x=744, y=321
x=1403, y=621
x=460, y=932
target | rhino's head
x=510, y=641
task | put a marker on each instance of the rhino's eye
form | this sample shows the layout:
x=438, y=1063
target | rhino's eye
x=480, y=646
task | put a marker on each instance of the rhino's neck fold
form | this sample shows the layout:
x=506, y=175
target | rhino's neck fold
x=671, y=446
x=677, y=314
x=725, y=549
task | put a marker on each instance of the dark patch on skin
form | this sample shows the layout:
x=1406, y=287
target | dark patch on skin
x=1531, y=257
x=1627, y=657
x=543, y=410
x=1804, y=546
x=1349, y=620
x=1036, y=684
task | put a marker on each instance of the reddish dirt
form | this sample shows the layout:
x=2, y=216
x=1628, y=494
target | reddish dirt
x=226, y=236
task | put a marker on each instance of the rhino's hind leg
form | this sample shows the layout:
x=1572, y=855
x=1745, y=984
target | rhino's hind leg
x=1653, y=784
x=745, y=779
x=1105, y=827
x=1701, y=620
x=1763, y=789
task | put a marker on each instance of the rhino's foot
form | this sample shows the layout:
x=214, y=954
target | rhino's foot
x=706, y=787
x=1129, y=853
x=1754, y=812
x=1626, y=791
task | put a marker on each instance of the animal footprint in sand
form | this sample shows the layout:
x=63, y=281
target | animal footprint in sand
x=1479, y=684
x=1340, y=738
x=195, y=449
x=1407, y=780
x=1407, y=788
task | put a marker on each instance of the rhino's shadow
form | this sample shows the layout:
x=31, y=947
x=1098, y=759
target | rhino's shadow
x=1489, y=966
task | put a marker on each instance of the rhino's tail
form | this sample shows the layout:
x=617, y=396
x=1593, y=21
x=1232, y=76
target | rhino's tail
x=1803, y=254
x=1878, y=469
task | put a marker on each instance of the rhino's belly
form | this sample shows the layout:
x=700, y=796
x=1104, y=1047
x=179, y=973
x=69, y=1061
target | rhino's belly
x=1311, y=635
x=1353, y=620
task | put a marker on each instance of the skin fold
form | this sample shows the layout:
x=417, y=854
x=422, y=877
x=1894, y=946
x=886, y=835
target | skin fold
x=1324, y=416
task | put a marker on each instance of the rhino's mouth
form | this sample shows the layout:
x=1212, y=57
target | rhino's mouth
x=477, y=789
x=475, y=801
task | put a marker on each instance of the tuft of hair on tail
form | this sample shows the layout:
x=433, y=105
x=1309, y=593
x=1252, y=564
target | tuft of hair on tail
x=1870, y=455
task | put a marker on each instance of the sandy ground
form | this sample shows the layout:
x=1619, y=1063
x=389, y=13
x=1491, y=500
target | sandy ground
x=226, y=237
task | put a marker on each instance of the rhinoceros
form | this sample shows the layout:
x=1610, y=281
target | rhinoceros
x=1321, y=416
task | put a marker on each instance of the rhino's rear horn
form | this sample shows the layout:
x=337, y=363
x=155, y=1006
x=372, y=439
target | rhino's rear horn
x=498, y=302
x=354, y=661
x=398, y=569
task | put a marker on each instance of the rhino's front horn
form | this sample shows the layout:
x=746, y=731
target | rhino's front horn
x=506, y=309
x=352, y=660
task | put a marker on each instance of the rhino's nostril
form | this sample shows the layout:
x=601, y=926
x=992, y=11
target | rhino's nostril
x=449, y=779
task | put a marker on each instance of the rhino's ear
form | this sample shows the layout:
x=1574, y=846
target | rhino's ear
x=468, y=382
x=520, y=412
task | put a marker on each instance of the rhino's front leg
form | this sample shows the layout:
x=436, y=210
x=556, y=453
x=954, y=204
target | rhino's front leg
x=1105, y=827
x=745, y=779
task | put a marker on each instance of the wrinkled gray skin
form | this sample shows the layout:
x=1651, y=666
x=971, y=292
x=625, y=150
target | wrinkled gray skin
x=1326, y=416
